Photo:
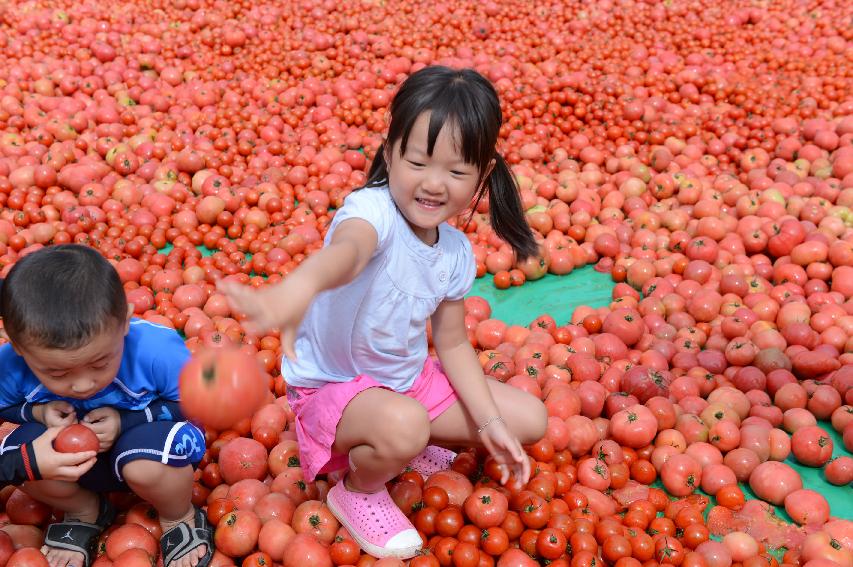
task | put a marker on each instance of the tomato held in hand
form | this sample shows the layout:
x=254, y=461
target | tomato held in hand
x=76, y=439
x=220, y=387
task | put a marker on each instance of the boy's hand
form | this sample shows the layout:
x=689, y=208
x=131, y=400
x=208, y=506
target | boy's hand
x=106, y=423
x=57, y=414
x=53, y=465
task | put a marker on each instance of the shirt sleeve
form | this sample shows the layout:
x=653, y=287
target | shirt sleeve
x=10, y=377
x=373, y=205
x=170, y=356
x=464, y=270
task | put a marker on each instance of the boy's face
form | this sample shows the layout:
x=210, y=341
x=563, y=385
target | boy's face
x=82, y=372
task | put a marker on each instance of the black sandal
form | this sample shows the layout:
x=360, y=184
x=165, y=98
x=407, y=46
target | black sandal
x=81, y=537
x=182, y=539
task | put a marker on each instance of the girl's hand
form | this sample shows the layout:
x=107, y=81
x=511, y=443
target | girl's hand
x=53, y=465
x=58, y=413
x=281, y=307
x=505, y=448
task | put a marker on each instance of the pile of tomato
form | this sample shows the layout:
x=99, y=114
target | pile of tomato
x=699, y=152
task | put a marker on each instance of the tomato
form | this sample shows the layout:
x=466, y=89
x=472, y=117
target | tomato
x=466, y=555
x=646, y=383
x=435, y=497
x=669, y=551
x=681, y=475
x=304, y=549
x=449, y=521
x=220, y=387
x=313, y=517
x=551, y=543
x=811, y=446
x=730, y=496
x=615, y=548
x=76, y=438
x=494, y=541
x=634, y=426
x=486, y=507
x=534, y=512
x=694, y=535
x=773, y=481
x=130, y=536
x=237, y=533
x=27, y=557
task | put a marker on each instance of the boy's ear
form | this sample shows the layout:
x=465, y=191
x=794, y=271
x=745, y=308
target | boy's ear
x=129, y=316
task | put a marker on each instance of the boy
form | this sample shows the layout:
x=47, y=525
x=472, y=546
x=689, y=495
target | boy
x=76, y=354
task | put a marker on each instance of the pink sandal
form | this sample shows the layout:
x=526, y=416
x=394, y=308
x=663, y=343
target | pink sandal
x=375, y=522
x=433, y=459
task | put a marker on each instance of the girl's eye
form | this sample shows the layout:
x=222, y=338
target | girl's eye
x=100, y=365
x=459, y=173
x=416, y=164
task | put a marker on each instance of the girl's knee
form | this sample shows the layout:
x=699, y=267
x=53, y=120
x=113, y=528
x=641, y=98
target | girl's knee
x=529, y=417
x=403, y=429
x=537, y=422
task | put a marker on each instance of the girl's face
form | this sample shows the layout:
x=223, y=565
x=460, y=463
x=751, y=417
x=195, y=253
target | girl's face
x=429, y=190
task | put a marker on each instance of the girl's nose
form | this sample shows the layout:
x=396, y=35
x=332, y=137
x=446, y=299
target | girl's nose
x=432, y=184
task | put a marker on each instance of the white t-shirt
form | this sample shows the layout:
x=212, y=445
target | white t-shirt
x=376, y=324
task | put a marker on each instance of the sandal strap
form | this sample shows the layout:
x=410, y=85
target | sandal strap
x=181, y=540
x=81, y=537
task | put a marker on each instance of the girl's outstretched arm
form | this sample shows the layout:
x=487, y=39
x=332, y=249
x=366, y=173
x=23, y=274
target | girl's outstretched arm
x=284, y=305
x=460, y=363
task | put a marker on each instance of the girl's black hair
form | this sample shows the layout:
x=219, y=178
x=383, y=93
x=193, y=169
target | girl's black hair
x=470, y=103
x=61, y=297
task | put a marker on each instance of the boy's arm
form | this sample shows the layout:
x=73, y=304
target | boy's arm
x=19, y=413
x=157, y=410
x=19, y=465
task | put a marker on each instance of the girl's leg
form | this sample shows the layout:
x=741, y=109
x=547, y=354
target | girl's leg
x=381, y=431
x=523, y=413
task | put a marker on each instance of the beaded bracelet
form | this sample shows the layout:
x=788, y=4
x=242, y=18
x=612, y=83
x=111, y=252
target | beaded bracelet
x=488, y=423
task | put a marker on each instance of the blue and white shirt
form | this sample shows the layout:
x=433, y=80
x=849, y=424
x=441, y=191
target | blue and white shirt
x=151, y=363
x=376, y=324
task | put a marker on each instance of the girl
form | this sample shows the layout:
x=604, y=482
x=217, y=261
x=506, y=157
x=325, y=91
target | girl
x=366, y=395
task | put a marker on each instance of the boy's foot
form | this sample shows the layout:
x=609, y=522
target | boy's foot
x=73, y=542
x=187, y=542
x=433, y=459
x=375, y=522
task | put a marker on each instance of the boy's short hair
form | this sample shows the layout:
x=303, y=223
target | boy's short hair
x=60, y=297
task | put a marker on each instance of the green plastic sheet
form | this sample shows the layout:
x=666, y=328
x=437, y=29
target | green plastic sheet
x=557, y=296
x=560, y=295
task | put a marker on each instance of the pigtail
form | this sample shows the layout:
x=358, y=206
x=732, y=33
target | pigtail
x=378, y=173
x=506, y=213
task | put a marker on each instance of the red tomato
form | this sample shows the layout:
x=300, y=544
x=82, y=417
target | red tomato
x=220, y=387
x=76, y=438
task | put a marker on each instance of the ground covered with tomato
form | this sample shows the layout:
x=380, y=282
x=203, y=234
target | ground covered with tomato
x=697, y=151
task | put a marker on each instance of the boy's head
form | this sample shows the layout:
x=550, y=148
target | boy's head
x=66, y=313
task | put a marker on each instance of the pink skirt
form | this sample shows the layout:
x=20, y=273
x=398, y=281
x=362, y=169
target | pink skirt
x=318, y=411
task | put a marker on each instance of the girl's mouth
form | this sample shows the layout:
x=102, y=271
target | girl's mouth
x=426, y=203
